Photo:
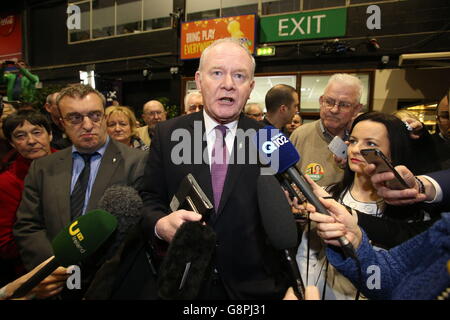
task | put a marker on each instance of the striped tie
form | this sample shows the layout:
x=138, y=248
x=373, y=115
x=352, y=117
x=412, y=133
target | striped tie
x=79, y=191
x=219, y=164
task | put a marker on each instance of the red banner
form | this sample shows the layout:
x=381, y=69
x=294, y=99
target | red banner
x=197, y=35
x=10, y=37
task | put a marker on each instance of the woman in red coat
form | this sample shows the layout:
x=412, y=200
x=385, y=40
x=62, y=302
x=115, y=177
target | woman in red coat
x=29, y=133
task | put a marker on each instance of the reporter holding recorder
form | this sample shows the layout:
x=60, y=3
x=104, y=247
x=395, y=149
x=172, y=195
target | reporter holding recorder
x=416, y=269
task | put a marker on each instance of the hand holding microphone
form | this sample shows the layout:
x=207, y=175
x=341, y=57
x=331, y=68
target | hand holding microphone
x=283, y=157
x=80, y=239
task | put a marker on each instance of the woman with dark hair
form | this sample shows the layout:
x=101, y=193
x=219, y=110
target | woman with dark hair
x=386, y=226
x=30, y=134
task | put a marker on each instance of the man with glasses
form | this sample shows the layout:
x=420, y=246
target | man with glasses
x=61, y=187
x=442, y=136
x=193, y=102
x=254, y=110
x=152, y=113
x=339, y=104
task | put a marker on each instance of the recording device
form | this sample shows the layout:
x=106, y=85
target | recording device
x=188, y=261
x=190, y=196
x=383, y=164
x=76, y=242
x=279, y=225
x=338, y=147
x=277, y=150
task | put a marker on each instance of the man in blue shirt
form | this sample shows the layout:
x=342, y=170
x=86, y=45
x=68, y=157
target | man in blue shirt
x=70, y=182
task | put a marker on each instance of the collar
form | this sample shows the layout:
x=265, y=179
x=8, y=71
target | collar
x=210, y=124
x=328, y=135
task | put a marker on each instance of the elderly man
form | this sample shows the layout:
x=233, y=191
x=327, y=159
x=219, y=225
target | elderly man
x=281, y=104
x=254, y=110
x=152, y=113
x=244, y=266
x=339, y=104
x=193, y=102
x=60, y=140
x=61, y=187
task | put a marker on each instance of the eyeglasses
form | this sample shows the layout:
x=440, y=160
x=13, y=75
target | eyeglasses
x=444, y=116
x=342, y=105
x=77, y=118
x=154, y=113
x=254, y=114
x=193, y=107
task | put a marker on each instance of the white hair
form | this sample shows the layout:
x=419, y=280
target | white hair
x=349, y=80
x=251, y=104
x=189, y=95
x=228, y=40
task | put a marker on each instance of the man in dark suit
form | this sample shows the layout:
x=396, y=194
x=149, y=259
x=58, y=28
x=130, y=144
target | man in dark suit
x=70, y=182
x=244, y=265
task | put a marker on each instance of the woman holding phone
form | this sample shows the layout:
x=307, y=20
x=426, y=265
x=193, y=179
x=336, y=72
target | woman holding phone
x=385, y=225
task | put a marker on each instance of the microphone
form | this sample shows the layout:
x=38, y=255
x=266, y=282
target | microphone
x=125, y=204
x=279, y=224
x=76, y=242
x=278, y=150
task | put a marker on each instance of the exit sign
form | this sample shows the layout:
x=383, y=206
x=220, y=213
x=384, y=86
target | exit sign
x=308, y=25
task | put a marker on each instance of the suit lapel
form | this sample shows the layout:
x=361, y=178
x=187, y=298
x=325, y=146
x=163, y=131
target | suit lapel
x=63, y=169
x=201, y=171
x=110, y=162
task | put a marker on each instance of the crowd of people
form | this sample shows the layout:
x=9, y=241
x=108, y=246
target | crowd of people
x=57, y=166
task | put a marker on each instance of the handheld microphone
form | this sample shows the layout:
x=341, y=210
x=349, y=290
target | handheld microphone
x=125, y=204
x=77, y=241
x=279, y=225
x=282, y=156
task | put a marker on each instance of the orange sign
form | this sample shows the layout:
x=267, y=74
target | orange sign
x=197, y=35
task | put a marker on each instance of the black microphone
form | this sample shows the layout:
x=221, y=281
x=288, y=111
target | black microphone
x=279, y=225
x=79, y=240
x=124, y=203
x=278, y=150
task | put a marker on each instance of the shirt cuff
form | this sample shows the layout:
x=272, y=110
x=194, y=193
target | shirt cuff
x=438, y=197
x=157, y=235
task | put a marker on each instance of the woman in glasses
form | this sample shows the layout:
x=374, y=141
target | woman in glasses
x=121, y=126
x=386, y=226
x=29, y=133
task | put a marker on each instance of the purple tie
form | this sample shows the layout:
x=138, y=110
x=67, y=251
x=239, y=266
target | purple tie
x=219, y=164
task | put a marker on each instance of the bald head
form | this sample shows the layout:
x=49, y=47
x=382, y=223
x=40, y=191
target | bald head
x=51, y=107
x=153, y=112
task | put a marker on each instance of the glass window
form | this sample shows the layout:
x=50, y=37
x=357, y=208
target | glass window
x=239, y=7
x=84, y=33
x=313, y=86
x=200, y=9
x=129, y=16
x=157, y=14
x=320, y=4
x=279, y=6
x=103, y=16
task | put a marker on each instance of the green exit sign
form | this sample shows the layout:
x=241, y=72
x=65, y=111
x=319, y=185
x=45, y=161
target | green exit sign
x=299, y=26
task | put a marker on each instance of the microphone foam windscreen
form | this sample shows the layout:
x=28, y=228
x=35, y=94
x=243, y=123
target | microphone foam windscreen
x=124, y=203
x=188, y=262
x=276, y=149
x=83, y=237
x=276, y=215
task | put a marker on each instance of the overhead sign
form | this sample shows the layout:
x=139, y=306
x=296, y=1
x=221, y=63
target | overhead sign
x=307, y=25
x=10, y=37
x=198, y=35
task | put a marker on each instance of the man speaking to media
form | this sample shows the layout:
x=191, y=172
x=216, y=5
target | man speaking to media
x=244, y=266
